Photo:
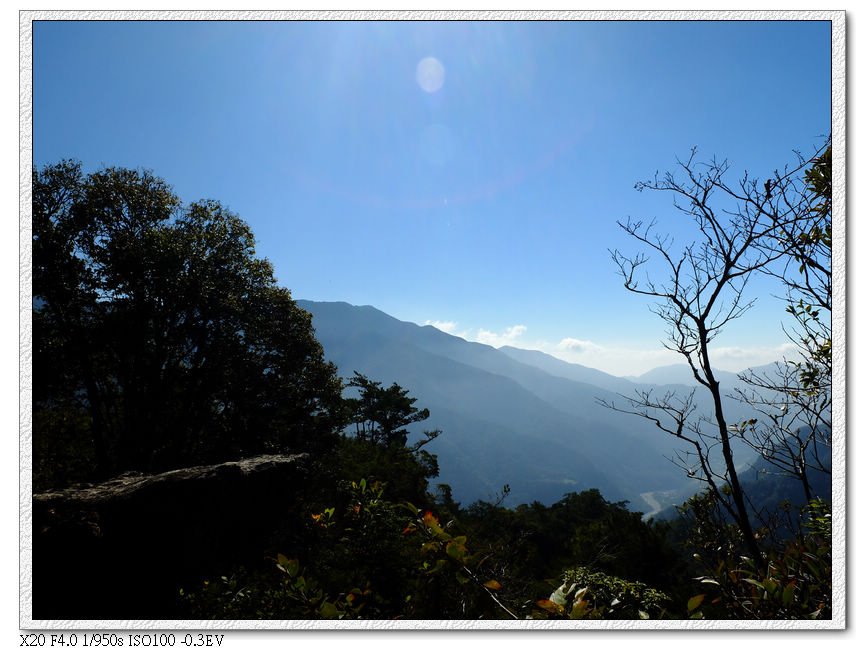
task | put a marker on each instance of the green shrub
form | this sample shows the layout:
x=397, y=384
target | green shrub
x=595, y=595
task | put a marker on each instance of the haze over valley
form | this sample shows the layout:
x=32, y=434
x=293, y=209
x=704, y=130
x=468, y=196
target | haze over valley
x=512, y=416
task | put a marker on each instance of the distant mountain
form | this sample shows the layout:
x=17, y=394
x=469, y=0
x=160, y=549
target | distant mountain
x=503, y=420
x=767, y=486
x=572, y=371
x=766, y=490
x=680, y=374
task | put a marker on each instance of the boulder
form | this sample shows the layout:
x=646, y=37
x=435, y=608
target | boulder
x=123, y=549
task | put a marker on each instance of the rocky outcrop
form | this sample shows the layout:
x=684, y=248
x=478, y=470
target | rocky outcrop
x=122, y=549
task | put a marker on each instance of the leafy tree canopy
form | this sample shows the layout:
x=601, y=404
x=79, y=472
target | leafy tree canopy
x=160, y=338
x=381, y=415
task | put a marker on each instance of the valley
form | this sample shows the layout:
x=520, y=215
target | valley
x=510, y=416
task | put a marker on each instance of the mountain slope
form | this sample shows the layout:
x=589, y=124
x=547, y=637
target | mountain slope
x=572, y=371
x=503, y=421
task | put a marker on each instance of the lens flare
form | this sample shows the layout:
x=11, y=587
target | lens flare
x=430, y=74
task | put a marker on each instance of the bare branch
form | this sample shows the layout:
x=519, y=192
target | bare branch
x=741, y=229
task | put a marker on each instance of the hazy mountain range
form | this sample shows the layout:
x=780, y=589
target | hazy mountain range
x=512, y=416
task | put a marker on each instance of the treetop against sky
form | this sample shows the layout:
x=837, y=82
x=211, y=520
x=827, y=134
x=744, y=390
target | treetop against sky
x=463, y=174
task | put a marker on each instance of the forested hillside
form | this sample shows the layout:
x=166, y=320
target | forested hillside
x=508, y=421
x=387, y=470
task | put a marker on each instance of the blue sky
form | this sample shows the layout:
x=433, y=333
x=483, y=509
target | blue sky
x=463, y=174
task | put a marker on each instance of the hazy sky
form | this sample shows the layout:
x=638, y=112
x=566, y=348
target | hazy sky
x=464, y=174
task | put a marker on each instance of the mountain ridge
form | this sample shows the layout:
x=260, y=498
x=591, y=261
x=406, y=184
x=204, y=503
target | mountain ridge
x=504, y=421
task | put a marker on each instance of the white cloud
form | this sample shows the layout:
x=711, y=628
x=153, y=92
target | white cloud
x=737, y=358
x=621, y=361
x=615, y=359
x=577, y=345
x=447, y=326
x=509, y=337
x=631, y=361
x=611, y=359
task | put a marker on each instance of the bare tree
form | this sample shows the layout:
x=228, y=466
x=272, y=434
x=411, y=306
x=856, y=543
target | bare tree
x=795, y=399
x=793, y=431
x=741, y=229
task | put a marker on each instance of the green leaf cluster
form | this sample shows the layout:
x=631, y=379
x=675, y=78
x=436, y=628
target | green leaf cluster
x=586, y=594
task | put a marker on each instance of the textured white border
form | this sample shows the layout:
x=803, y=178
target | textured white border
x=839, y=319
x=839, y=153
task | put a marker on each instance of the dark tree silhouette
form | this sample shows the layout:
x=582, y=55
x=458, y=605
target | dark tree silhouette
x=160, y=338
x=381, y=415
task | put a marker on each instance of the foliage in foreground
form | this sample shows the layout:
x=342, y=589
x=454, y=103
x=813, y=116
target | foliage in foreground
x=592, y=595
x=372, y=557
x=162, y=340
x=793, y=582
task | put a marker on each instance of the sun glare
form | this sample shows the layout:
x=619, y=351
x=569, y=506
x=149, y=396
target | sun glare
x=430, y=74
